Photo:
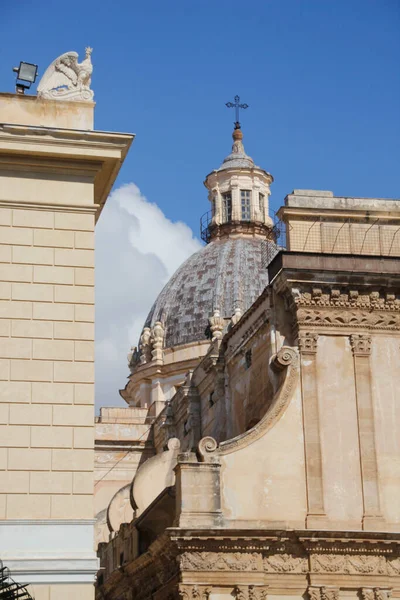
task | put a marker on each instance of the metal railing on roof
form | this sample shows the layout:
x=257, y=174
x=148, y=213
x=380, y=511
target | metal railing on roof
x=9, y=589
x=276, y=234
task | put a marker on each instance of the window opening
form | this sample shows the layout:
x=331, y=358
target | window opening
x=248, y=358
x=245, y=202
x=226, y=207
x=262, y=206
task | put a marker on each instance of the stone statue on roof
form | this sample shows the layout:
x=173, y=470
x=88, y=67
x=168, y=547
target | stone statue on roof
x=66, y=79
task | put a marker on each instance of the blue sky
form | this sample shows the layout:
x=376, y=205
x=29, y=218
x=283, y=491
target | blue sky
x=321, y=78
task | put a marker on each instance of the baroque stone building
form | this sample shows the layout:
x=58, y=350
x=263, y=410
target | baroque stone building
x=259, y=455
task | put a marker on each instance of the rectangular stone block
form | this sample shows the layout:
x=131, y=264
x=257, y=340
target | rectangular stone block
x=33, y=218
x=31, y=291
x=73, y=460
x=14, y=348
x=5, y=254
x=66, y=592
x=14, y=436
x=74, y=258
x=35, y=255
x=84, y=312
x=74, y=331
x=14, y=482
x=84, y=394
x=15, y=391
x=53, y=239
x=51, y=483
x=73, y=415
x=15, y=236
x=40, y=592
x=79, y=222
x=84, y=351
x=53, y=312
x=77, y=372
x=31, y=370
x=74, y=295
x=16, y=272
x=84, y=276
x=84, y=240
x=51, y=437
x=72, y=507
x=4, y=369
x=32, y=506
x=4, y=413
x=5, y=328
x=63, y=275
x=52, y=393
x=31, y=329
x=5, y=291
x=84, y=437
x=83, y=483
x=15, y=310
x=5, y=216
x=32, y=414
x=3, y=499
x=30, y=459
x=3, y=459
x=53, y=349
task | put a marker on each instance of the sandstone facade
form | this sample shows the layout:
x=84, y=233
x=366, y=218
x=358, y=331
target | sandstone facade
x=54, y=180
x=286, y=479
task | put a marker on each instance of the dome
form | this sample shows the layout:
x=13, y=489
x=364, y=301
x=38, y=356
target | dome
x=237, y=159
x=227, y=274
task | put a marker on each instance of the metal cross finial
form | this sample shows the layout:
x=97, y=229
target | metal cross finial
x=236, y=106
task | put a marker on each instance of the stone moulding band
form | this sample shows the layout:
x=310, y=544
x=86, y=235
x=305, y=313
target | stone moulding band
x=78, y=208
x=285, y=360
x=45, y=551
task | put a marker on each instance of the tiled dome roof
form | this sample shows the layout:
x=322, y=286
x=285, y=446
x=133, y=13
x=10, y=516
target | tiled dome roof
x=226, y=274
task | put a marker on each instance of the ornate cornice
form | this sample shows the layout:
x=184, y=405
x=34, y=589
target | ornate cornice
x=229, y=557
x=334, y=297
x=334, y=307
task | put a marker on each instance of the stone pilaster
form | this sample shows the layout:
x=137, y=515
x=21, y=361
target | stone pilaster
x=315, y=493
x=361, y=346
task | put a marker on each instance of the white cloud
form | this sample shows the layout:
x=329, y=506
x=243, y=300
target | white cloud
x=137, y=251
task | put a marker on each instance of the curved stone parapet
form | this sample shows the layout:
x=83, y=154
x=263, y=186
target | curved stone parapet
x=285, y=361
x=156, y=474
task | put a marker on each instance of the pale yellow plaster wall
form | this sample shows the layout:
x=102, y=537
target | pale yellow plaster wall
x=46, y=364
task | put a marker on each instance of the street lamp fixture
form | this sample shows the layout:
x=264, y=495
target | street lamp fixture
x=26, y=75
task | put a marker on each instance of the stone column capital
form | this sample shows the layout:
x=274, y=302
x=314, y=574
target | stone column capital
x=308, y=341
x=360, y=344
